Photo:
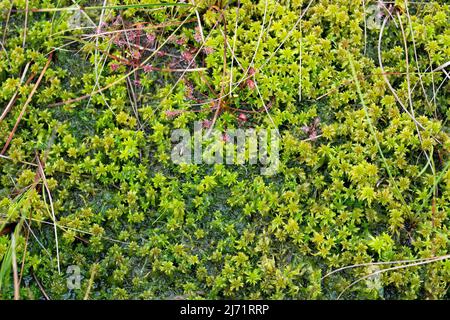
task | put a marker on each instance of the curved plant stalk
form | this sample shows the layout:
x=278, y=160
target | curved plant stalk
x=24, y=108
x=262, y=65
x=91, y=281
x=112, y=7
x=408, y=80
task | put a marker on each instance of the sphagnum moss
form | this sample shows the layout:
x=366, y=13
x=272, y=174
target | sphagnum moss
x=100, y=123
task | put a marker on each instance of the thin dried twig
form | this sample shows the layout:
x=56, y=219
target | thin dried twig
x=24, y=108
x=394, y=93
x=91, y=281
x=414, y=264
x=14, y=267
x=25, y=28
x=408, y=80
